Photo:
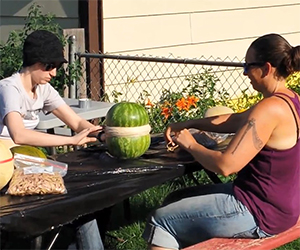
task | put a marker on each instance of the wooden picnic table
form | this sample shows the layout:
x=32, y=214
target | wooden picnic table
x=94, y=181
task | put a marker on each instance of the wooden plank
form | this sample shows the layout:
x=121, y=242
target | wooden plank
x=79, y=47
x=249, y=244
x=93, y=33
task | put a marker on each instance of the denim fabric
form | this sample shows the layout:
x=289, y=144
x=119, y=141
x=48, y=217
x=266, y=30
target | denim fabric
x=199, y=213
x=88, y=237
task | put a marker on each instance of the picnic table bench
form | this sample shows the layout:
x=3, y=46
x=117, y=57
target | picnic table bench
x=95, y=181
x=249, y=244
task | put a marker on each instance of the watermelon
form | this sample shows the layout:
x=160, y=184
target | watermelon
x=127, y=130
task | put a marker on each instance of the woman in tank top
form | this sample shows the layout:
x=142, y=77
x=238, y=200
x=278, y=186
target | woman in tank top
x=264, y=152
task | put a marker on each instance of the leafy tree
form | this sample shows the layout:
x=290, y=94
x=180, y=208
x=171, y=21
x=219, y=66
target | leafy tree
x=11, y=50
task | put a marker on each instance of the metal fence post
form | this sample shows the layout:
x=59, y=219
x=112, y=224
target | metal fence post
x=72, y=80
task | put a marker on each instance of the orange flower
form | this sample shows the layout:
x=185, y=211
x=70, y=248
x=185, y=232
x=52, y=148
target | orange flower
x=166, y=112
x=149, y=103
x=181, y=104
x=192, y=100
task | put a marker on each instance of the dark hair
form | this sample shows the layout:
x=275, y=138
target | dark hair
x=276, y=50
x=42, y=46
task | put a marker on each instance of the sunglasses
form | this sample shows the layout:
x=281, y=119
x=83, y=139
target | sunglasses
x=247, y=66
x=51, y=66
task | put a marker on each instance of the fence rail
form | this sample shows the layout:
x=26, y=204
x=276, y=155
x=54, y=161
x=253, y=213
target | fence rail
x=160, y=59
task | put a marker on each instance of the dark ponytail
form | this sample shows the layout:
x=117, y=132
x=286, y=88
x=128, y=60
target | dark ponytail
x=295, y=56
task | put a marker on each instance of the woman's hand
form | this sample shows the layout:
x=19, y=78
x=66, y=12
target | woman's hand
x=173, y=129
x=84, y=136
x=184, y=139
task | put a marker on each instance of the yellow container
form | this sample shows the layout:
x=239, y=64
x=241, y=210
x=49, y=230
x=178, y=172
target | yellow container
x=9, y=143
x=6, y=165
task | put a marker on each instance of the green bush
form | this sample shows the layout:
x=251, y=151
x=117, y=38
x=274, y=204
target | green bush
x=191, y=102
x=293, y=82
x=245, y=101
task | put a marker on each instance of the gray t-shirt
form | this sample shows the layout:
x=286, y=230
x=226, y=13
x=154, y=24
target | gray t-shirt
x=13, y=97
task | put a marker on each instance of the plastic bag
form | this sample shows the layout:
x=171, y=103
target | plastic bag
x=209, y=139
x=22, y=161
x=35, y=175
x=217, y=137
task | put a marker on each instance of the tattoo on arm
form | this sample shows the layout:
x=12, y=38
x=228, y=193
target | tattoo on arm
x=258, y=144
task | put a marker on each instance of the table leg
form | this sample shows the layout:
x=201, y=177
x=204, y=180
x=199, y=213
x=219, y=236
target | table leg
x=212, y=176
x=193, y=178
x=36, y=243
x=54, y=239
x=127, y=211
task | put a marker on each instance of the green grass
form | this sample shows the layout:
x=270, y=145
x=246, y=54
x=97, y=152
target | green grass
x=127, y=235
x=295, y=245
x=124, y=234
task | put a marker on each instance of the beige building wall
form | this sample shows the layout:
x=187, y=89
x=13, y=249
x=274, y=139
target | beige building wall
x=14, y=12
x=184, y=28
x=191, y=29
x=181, y=28
x=195, y=28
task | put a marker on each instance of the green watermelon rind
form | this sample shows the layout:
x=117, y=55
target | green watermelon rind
x=127, y=114
x=128, y=147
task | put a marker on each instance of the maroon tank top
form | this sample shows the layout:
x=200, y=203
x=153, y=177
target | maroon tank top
x=269, y=185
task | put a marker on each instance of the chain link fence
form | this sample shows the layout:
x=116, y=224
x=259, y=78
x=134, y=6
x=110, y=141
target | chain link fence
x=171, y=89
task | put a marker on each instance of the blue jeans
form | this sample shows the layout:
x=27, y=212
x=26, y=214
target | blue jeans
x=88, y=237
x=195, y=214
